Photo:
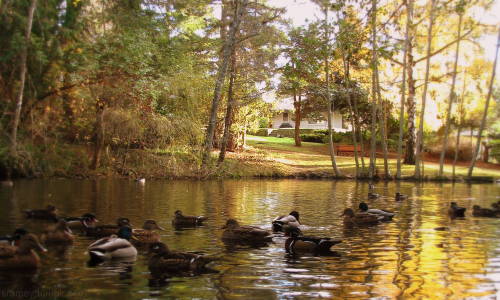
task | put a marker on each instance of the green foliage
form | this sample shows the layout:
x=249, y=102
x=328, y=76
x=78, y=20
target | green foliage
x=313, y=138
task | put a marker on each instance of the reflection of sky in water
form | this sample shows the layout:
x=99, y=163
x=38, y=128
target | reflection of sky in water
x=406, y=258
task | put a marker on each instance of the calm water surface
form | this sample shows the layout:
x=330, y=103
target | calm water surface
x=403, y=259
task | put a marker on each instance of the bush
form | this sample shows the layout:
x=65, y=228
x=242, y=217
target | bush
x=495, y=150
x=286, y=125
x=259, y=132
x=313, y=138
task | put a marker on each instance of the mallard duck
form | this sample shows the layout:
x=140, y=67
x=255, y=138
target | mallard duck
x=287, y=223
x=61, y=234
x=496, y=205
x=13, y=239
x=371, y=194
x=181, y=220
x=360, y=219
x=387, y=215
x=107, y=230
x=400, y=197
x=49, y=213
x=113, y=247
x=234, y=233
x=165, y=261
x=456, y=211
x=478, y=211
x=21, y=256
x=87, y=220
x=310, y=245
x=147, y=235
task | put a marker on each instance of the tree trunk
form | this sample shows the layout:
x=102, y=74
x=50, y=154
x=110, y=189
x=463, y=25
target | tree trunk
x=409, y=14
x=351, y=111
x=231, y=103
x=297, y=104
x=382, y=125
x=452, y=96
x=460, y=122
x=373, y=145
x=22, y=78
x=485, y=113
x=328, y=96
x=420, y=136
x=411, y=109
x=359, y=133
x=229, y=44
x=99, y=134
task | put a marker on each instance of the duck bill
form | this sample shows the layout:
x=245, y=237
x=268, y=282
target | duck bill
x=41, y=248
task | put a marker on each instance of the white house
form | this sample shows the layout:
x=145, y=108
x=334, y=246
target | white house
x=285, y=113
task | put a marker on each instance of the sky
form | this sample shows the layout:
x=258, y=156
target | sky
x=300, y=12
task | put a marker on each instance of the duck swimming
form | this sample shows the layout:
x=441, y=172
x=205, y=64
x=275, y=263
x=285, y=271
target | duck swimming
x=387, y=215
x=49, y=213
x=147, y=235
x=478, y=211
x=371, y=194
x=21, y=256
x=165, y=261
x=180, y=220
x=235, y=233
x=107, y=230
x=360, y=219
x=113, y=247
x=87, y=220
x=287, y=223
x=61, y=234
x=310, y=245
x=13, y=239
x=456, y=211
x=400, y=197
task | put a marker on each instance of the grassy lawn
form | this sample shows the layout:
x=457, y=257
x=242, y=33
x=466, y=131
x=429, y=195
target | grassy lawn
x=314, y=157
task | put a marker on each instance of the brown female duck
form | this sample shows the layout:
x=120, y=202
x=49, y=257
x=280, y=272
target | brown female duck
x=360, y=219
x=478, y=211
x=234, y=233
x=21, y=256
x=456, y=211
x=187, y=221
x=147, y=235
x=165, y=261
x=400, y=197
x=107, y=230
x=49, y=213
x=61, y=234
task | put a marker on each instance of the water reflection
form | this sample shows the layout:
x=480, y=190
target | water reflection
x=406, y=258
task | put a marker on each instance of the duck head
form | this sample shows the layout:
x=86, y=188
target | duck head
x=295, y=214
x=348, y=212
x=152, y=225
x=123, y=222
x=363, y=206
x=178, y=213
x=125, y=232
x=158, y=248
x=231, y=223
x=476, y=207
x=453, y=204
x=30, y=242
x=89, y=220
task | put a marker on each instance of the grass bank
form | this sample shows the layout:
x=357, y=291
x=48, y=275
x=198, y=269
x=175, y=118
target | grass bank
x=269, y=157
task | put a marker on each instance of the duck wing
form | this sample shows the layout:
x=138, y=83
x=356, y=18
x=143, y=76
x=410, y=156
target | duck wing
x=7, y=251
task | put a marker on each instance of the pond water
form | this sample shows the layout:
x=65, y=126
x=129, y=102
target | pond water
x=406, y=258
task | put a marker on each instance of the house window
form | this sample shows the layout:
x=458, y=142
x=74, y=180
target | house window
x=285, y=117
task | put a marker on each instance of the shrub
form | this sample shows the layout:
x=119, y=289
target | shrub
x=313, y=138
x=286, y=125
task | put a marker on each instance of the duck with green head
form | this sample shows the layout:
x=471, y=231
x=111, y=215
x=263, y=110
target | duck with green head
x=13, y=239
x=300, y=245
x=87, y=220
x=387, y=215
x=113, y=247
x=21, y=256
x=456, y=211
x=164, y=260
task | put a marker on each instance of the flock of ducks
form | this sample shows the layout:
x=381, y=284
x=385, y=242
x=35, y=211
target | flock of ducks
x=121, y=240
